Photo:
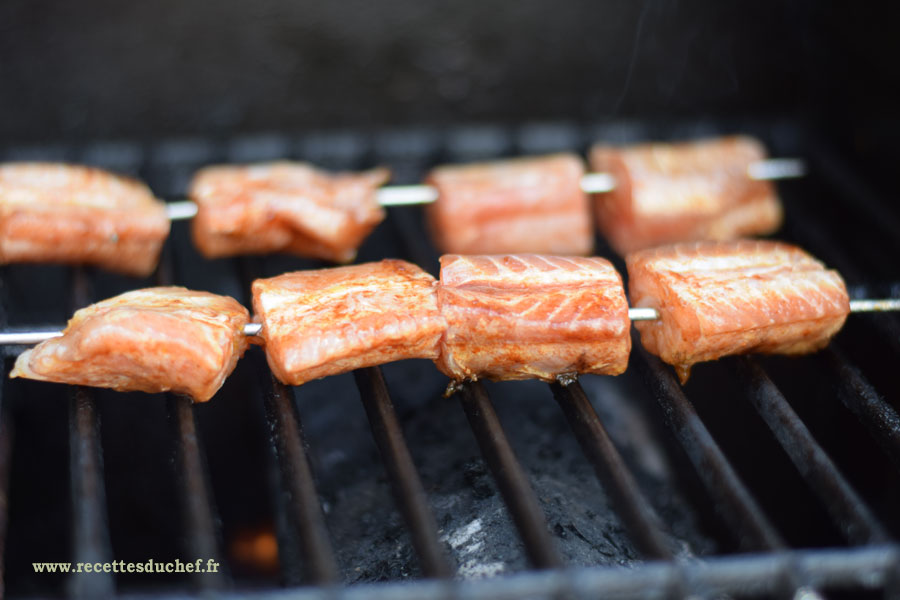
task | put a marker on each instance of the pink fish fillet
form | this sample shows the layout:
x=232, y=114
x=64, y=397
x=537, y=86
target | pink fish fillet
x=284, y=207
x=530, y=316
x=61, y=213
x=668, y=193
x=519, y=205
x=721, y=298
x=323, y=322
x=150, y=340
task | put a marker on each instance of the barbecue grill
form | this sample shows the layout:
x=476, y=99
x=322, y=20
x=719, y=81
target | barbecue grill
x=762, y=477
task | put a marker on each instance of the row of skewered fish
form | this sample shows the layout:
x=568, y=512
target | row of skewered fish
x=663, y=193
x=488, y=316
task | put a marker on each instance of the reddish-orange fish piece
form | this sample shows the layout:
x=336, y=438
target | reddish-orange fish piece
x=518, y=205
x=721, y=298
x=284, y=207
x=529, y=316
x=61, y=213
x=668, y=193
x=151, y=340
x=323, y=322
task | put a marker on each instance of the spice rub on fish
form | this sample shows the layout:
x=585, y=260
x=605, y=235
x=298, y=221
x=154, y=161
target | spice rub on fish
x=284, y=207
x=518, y=205
x=151, y=340
x=530, y=316
x=323, y=322
x=720, y=298
x=73, y=214
x=667, y=193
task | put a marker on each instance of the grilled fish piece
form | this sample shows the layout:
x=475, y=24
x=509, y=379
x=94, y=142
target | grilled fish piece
x=284, y=207
x=72, y=214
x=151, y=340
x=518, y=205
x=323, y=322
x=529, y=316
x=668, y=193
x=722, y=298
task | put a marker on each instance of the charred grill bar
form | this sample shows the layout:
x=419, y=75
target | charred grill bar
x=405, y=480
x=303, y=536
x=307, y=553
x=510, y=476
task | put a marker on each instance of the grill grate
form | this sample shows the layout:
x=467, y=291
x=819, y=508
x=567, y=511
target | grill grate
x=301, y=507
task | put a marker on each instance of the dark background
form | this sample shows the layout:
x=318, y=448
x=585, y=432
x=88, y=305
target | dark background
x=107, y=68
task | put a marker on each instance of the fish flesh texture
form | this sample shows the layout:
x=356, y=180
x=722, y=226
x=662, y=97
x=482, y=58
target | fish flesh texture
x=720, y=298
x=518, y=205
x=530, y=316
x=668, y=193
x=59, y=213
x=151, y=340
x=284, y=207
x=323, y=322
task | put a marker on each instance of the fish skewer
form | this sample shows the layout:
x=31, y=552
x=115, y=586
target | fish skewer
x=502, y=317
x=26, y=338
x=592, y=183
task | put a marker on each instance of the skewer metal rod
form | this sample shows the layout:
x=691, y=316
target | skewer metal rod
x=26, y=338
x=591, y=183
x=643, y=314
x=886, y=304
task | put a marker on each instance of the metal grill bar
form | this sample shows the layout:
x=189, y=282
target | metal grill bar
x=200, y=523
x=636, y=512
x=858, y=395
x=6, y=434
x=852, y=515
x=733, y=500
x=304, y=546
x=305, y=536
x=200, y=520
x=510, y=477
x=91, y=539
x=398, y=463
x=90, y=531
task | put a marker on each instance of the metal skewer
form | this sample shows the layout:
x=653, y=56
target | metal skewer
x=592, y=183
x=25, y=338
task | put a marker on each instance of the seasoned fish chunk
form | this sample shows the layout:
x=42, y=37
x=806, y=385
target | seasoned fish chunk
x=72, y=214
x=328, y=321
x=668, y=193
x=529, y=316
x=151, y=340
x=519, y=205
x=284, y=207
x=721, y=298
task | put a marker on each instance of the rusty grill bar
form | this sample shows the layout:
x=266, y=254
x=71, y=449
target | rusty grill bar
x=306, y=552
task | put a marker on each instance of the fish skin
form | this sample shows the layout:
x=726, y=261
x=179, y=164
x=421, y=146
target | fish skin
x=284, y=207
x=531, y=204
x=530, y=316
x=329, y=321
x=668, y=193
x=721, y=298
x=60, y=213
x=151, y=340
